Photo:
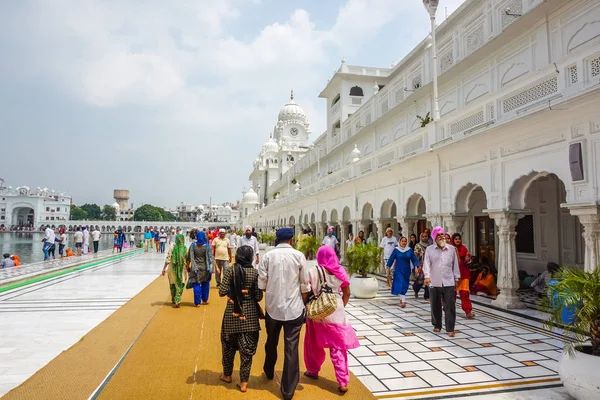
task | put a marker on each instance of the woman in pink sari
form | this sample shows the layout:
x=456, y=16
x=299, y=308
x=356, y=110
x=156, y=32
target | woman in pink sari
x=333, y=332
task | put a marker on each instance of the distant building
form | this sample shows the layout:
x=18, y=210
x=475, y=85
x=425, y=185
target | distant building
x=26, y=208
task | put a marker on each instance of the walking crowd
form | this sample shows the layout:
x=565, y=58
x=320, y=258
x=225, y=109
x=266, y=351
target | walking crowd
x=296, y=293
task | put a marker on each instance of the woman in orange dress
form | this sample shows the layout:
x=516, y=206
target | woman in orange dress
x=464, y=259
x=485, y=283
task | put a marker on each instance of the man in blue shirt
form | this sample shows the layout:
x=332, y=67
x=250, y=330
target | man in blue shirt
x=148, y=236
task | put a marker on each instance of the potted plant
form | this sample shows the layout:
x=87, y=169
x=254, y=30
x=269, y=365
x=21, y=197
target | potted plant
x=309, y=246
x=363, y=260
x=574, y=302
x=267, y=240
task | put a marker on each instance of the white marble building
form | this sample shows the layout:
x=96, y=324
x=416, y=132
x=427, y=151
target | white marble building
x=33, y=208
x=513, y=162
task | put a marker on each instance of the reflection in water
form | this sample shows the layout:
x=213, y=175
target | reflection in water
x=28, y=246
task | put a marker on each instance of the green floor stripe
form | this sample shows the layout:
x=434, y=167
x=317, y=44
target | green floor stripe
x=66, y=271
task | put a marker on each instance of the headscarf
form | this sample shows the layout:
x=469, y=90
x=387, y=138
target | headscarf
x=462, y=253
x=405, y=248
x=201, y=238
x=237, y=286
x=178, y=258
x=330, y=230
x=283, y=235
x=436, y=231
x=327, y=259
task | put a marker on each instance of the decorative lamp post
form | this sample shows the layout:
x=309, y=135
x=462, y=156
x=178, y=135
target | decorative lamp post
x=431, y=7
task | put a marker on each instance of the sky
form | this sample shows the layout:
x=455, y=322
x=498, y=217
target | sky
x=174, y=100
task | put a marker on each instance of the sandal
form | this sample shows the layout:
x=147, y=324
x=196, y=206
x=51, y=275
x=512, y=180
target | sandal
x=343, y=389
x=471, y=315
x=402, y=304
x=452, y=334
x=436, y=330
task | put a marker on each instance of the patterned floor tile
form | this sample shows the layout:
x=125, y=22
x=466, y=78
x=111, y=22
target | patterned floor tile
x=405, y=383
x=378, y=339
x=360, y=370
x=498, y=372
x=435, y=378
x=511, y=348
x=374, y=360
x=372, y=383
x=457, y=351
x=384, y=371
x=464, y=361
x=527, y=356
x=471, y=377
x=412, y=366
x=550, y=364
x=415, y=347
x=487, y=351
x=403, y=356
x=434, y=355
x=531, y=372
x=384, y=347
x=446, y=366
x=361, y=351
x=503, y=361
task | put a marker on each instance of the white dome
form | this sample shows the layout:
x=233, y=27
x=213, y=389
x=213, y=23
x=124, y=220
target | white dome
x=292, y=112
x=227, y=208
x=270, y=146
x=116, y=206
x=250, y=197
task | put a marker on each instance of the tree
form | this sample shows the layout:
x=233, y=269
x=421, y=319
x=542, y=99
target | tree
x=93, y=211
x=77, y=214
x=147, y=212
x=109, y=213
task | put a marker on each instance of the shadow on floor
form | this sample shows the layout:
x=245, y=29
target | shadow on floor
x=260, y=383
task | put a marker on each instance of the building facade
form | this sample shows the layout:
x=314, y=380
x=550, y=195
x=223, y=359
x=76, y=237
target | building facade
x=512, y=163
x=25, y=208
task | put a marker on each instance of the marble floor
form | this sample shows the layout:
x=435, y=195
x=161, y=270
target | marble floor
x=40, y=320
x=497, y=355
x=8, y=275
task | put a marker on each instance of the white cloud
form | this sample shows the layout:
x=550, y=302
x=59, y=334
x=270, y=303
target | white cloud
x=179, y=60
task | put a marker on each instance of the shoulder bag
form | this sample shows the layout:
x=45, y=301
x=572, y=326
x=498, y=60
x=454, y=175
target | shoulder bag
x=325, y=303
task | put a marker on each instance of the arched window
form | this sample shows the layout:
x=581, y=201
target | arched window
x=356, y=91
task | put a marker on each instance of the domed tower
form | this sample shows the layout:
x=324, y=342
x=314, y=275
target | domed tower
x=250, y=202
x=122, y=198
x=291, y=134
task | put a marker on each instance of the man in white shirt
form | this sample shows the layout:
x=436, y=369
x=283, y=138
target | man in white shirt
x=48, y=240
x=96, y=239
x=284, y=277
x=233, y=241
x=78, y=240
x=86, y=240
x=330, y=240
x=388, y=243
x=440, y=266
x=249, y=240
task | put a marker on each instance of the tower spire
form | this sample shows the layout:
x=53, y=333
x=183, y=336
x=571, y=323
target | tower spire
x=292, y=95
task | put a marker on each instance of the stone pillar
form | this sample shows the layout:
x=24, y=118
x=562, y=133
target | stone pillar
x=381, y=227
x=454, y=223
x=434, y=220
x=407, y=225
x=589, y=217
x=508, y=278
x=343, y=237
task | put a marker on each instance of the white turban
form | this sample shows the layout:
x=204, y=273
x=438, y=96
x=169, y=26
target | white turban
x=247, y=227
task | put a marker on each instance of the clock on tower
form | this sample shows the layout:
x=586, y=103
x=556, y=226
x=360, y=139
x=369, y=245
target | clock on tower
x=294, y=131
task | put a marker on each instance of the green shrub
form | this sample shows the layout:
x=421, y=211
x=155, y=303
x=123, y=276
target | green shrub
x=309, y=247
x=363, y=260
x=578, y=291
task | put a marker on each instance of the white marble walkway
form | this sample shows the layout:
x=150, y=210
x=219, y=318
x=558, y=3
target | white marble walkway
x=40, y=320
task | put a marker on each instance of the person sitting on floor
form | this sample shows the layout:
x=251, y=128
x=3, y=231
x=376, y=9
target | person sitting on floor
x=68, y=252
x=16, y=260
x=7, y=262
x=485, y=283
x=542, y=280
